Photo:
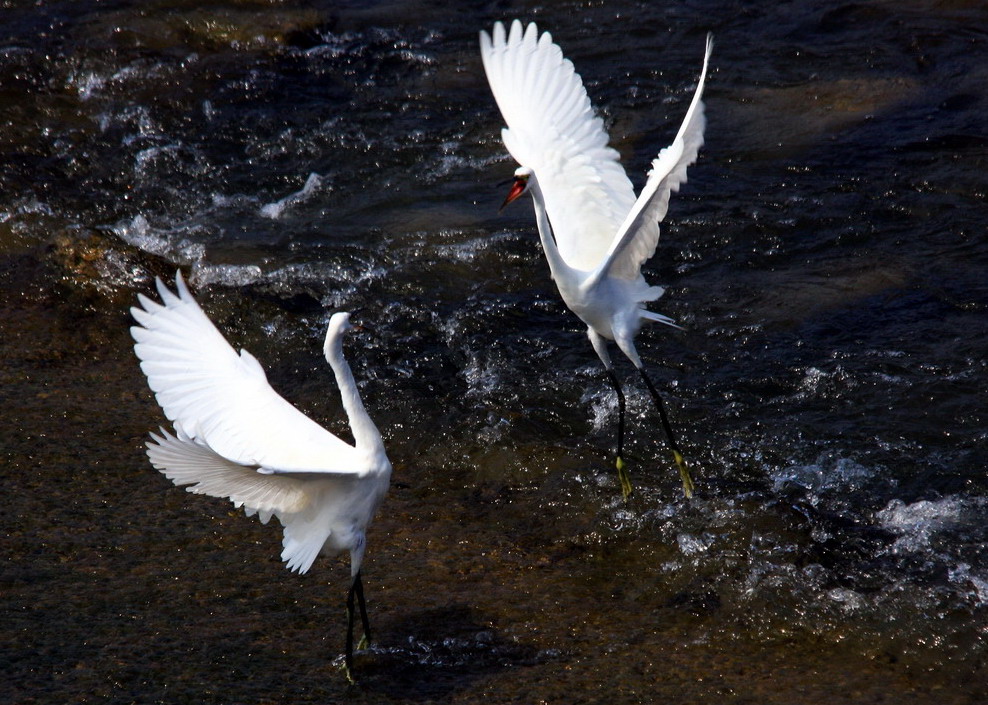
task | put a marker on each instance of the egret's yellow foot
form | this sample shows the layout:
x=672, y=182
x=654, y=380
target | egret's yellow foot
x=623, y=478
x=684, y=474
x=363, y=643
x=346, y=672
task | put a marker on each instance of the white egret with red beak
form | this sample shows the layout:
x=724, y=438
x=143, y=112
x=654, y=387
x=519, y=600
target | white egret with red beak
x=595, y=234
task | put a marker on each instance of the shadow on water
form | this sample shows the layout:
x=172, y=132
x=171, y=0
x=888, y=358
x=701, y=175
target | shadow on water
x=436, y=652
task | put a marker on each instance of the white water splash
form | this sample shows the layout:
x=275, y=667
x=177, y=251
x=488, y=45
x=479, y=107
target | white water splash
x=918, y=522
x=603, y=407
x=139, y=233
x=978, y=585
x=481, y=376
x=691, y=544
x=823, y=477
x=275, y=210
x=226, y=274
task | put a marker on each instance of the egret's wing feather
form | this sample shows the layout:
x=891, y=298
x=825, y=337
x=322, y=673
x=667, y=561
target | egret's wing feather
x=552, y=129
x=222, y=399
x=186, y=462
x=308, y=524
x=638, y=235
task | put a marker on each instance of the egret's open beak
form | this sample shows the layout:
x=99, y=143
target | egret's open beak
x=358, y=325
x=518, y=185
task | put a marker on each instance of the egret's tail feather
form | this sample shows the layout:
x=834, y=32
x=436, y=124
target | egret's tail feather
x=304, y=538
x=659, y=318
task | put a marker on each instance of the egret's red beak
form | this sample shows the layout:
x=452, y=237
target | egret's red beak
x=518, y=185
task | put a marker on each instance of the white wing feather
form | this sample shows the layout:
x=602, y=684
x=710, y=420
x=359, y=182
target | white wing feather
x=638, y=235
x=186, y=462
x=552, y=129
x=304, y=504
x=223, y=400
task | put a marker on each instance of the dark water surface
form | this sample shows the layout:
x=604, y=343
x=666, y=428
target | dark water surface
x=827, y=259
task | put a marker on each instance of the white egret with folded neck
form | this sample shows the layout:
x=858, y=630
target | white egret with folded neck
x=595, y=234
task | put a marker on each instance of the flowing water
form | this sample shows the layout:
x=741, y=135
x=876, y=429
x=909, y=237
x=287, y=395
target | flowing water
x=827, y=260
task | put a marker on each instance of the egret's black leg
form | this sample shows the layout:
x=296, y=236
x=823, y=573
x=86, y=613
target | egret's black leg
x=684, y=472
x=359, y=586
x=619, y=463
x=348, y=652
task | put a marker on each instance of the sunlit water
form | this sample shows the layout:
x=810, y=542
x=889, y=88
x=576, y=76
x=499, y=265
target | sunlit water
x=826, y=259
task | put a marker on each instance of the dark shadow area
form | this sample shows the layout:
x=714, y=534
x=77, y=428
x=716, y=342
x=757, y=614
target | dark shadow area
x=437, y=652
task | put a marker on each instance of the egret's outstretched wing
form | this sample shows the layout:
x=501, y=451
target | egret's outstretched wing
x=638, y=235
x=305, y=514
x=204, y=471
x=552, y=130
x=223, y=400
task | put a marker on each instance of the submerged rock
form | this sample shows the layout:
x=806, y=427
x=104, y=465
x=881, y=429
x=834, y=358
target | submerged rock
x=247, y=24
x=101, y=266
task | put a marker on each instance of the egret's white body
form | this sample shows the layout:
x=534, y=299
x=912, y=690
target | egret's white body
x=235, y=437
x=595, y=233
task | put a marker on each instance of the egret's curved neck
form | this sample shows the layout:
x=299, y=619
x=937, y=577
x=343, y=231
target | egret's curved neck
x=365, y=433
x=557, y=264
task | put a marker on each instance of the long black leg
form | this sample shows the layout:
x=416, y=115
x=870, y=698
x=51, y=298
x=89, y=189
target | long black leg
x=620, y=396
x=684, y=472
x=359, y=585
x=619, y=463
x=348, y=653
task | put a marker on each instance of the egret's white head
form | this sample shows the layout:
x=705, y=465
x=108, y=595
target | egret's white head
x=519, y=184
x=340, y=322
